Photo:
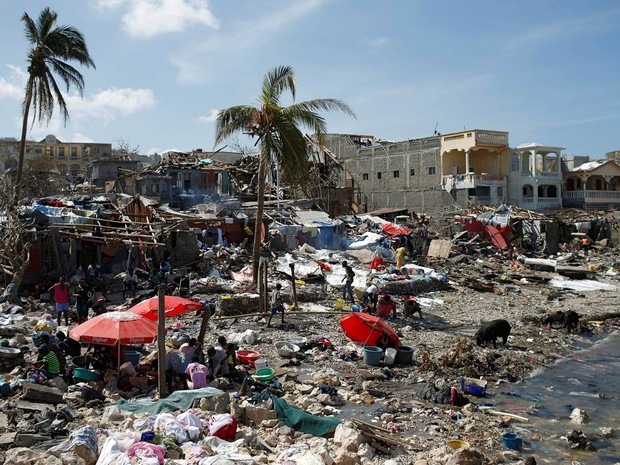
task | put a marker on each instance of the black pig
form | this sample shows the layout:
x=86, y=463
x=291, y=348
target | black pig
x=491, y=330
x=555, y=317
x=571, y=320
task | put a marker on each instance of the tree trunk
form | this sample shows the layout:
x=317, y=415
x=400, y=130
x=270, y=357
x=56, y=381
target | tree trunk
x=22, y=143
x=262, y=171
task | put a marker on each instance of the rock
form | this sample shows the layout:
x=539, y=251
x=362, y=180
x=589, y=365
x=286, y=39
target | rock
x=258, y=414
x=112, y=415
x=269, y=423
x=347, y=437
x=305, y=388
x=40, y=393
x=60, y=384
x=607, y=432
x=26, y=456
x=467, y=457
x=365, y=451
x=418, y=462
x=286, y=431
x=219, y=403
x=346, y=457
x=579, y=416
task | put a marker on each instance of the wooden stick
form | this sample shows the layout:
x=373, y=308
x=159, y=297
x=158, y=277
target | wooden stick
x=292, y=265
x=251, y=315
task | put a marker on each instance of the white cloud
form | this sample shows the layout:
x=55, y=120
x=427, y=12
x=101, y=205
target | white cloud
x=149, y=18
x=196, y=61
x=107, y=104
x=209, y=119
x=377, y=42
x=109, y=4
x=13, y=87
x=79, y=137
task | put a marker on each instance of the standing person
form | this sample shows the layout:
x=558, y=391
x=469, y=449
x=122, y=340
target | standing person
x=400, y=257
x=348, y=282
x=81, y=294
x=154, y=277
x=277, y=304
x=60, y=293
x=371, y=295
x=385, y=306
x=197, y=374
x=130, y=283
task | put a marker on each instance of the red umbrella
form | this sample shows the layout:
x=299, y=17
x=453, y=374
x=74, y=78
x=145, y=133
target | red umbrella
x=114, y=328
x=173, y=306
x=367, y=329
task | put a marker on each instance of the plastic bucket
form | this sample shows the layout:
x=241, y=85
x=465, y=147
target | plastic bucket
x=339, y=304
x=372, y=355
x=133, y=357
x=404, y=356
x=260, y=363
x=390, y=356
x=512, y=441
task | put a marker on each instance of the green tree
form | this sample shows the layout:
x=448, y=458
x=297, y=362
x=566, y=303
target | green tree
x=278, y=130
x=52, y=46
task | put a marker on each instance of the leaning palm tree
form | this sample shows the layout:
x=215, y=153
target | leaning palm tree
x=51, y=47
x=277, y=128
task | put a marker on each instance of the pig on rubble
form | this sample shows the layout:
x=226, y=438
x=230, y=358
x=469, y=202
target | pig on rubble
x=553, y=317
x=571, y=320
x=491, y=330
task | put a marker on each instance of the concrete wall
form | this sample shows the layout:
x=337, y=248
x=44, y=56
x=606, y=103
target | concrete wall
x=404, y=174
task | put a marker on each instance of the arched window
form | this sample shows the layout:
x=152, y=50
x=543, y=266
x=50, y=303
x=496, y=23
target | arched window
x=570, y=184
x=552, y=192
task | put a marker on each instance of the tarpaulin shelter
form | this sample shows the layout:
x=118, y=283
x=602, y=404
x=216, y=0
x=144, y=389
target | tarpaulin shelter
x=173, y=306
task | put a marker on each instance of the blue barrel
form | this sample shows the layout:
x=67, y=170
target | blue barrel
x=133, y=357
x=372, y=355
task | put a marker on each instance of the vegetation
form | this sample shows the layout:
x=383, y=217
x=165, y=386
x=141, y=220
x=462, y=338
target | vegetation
x=278, y=131
x=52, y=47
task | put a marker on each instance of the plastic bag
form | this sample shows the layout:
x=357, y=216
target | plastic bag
x=147, y=451
x=223, y=426
x=189, y=419
x=126, y=440
x=111, y=454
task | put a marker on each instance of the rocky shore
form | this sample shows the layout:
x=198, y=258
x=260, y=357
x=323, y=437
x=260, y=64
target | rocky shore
x=388, y=414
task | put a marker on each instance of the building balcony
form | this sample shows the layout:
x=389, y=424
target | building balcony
x=471, y=181
x=592, y=196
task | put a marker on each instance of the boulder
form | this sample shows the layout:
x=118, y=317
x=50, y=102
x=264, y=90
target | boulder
x=348, y=438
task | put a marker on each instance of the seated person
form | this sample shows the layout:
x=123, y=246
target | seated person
x=48, y=362
x=71, y=347
x=99, y=357
x=62, y=359
x=412, y=306
x=197, y=373
x=175, y=367
x=218, y=361
x=100, y=307
x=385, y=306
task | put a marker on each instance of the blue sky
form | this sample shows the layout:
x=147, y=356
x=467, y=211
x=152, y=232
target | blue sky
x=545, y=71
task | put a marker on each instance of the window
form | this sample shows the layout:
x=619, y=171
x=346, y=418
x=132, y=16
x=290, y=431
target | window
x=500, y=191
x=38, y=150
x=412, y=172
x=365, y=176
x=379, y=175
x=396, y=174
x=431, y=170
x=61, y=152
x=74, y=152
x=48, y=151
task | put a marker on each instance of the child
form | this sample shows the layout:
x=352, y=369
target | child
x=277, y=305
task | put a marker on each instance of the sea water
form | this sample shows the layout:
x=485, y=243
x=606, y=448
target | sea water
x=588, y=379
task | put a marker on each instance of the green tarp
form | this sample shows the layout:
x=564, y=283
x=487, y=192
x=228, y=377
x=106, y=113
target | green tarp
x=178, y=400
x=303, y=421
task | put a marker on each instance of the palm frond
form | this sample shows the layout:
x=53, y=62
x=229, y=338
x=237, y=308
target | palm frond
x=68, y=74
x=275, y=83
x=232, y=120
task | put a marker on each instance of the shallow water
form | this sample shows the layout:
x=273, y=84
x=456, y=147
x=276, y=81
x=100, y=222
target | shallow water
x=588, y=379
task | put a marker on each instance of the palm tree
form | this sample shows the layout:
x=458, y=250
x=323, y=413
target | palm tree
x=51, y=47
x=278, y=130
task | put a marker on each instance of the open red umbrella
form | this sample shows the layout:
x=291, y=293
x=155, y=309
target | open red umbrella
x=367, y=329
x=115, y=328
x=173, y=306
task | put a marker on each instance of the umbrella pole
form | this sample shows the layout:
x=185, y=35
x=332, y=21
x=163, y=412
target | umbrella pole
x=118, y=356
x=161, y=342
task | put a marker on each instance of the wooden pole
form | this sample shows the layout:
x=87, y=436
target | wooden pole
x=259, y=282
x=292, y=265
x=161, y=341
x=206, y=315
x=266, y=287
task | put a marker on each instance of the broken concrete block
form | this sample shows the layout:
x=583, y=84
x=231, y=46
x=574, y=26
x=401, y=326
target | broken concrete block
x=39, y=393
x=218, y=403
x=348, y=438
x=258, y=414
x=579, y=416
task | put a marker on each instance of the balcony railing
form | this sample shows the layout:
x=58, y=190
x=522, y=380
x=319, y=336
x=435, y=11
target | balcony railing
x=591, y=195
x=544, y=200
x=471, y=180
x=492, y=138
